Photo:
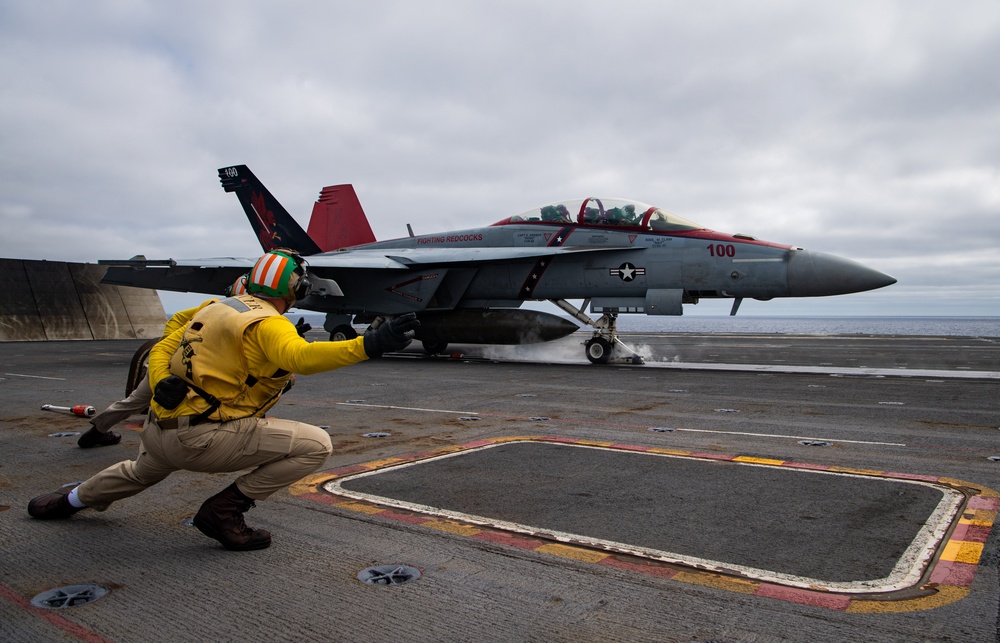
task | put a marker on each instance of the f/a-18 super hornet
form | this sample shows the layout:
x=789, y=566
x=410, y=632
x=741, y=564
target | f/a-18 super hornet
x=467, y=286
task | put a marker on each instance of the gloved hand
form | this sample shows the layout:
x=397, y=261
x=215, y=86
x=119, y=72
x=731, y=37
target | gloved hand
x=302, y=327
x=170, y=391
x=393, y=335
x=94, y=438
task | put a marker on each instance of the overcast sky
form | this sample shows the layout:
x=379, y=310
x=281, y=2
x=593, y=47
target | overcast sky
x=864, y=129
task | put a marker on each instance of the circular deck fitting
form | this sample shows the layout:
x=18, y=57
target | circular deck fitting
x=388, y=575
x=70, y=596
x=376, y=434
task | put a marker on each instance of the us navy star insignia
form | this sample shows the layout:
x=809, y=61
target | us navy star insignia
x=627, y=272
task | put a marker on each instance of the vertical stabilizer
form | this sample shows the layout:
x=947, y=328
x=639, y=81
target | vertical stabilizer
x=275, y=228
x=338, y=220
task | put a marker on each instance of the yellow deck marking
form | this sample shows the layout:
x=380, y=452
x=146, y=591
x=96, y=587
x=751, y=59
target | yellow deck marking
x=361, y=507
x=946, y=594
x=981, y=517
x=718, y=582
x=453, y=527
x=860, y=472
x=752, y=460
x=962, y=551
x=576, y=553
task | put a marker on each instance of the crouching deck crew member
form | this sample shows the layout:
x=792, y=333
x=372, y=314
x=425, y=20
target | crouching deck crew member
x=213, y=380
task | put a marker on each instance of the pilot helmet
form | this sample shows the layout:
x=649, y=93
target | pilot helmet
x=280, y=274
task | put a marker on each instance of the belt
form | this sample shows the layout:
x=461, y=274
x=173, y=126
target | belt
x=168, y=424
x=171, y=424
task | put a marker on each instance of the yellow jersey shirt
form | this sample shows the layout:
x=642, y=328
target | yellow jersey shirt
x=269, y=346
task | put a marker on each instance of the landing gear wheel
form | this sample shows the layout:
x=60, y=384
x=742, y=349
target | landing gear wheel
x=343, y=333
x=433, y=348
x=598, y=350
x=137, y=368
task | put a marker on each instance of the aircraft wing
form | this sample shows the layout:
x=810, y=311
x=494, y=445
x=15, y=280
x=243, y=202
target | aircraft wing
x=210, y=276
x=409, y=258
x=214, y=275
x=366, y=258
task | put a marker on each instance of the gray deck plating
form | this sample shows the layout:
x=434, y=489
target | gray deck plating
x=305, y=586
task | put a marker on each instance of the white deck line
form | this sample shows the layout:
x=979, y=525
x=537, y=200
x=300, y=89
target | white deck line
x=404, y=408
x=828, y=370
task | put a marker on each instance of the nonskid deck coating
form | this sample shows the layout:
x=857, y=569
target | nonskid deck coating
x=869, y=536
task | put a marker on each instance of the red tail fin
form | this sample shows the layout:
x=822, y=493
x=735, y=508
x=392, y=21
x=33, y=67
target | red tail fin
x=338, y=220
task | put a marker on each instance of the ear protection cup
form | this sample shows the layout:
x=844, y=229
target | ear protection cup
x=302, y=286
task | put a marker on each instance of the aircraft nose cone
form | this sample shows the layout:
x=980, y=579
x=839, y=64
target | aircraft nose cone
x=815, y=274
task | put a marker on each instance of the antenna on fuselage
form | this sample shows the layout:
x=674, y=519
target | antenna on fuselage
x=409, y=229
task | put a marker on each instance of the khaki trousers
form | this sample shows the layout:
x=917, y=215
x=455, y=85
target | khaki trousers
x=137, y=402
x=280, y=452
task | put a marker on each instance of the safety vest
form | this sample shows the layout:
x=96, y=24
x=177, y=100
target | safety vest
x=211, y=359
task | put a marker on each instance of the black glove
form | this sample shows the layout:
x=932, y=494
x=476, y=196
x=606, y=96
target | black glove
x=393, y=335
x=94, y=438
x=302, y=327
x=170, y=391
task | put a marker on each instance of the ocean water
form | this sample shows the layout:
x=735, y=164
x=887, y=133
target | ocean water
x=912, y=326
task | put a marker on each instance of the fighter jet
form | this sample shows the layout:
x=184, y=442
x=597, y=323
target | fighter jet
x=618, y=256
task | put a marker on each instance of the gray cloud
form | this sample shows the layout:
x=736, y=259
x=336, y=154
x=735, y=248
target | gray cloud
x=858, y=128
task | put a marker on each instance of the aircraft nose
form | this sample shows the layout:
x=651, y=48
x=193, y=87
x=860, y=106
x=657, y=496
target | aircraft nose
x=815, y=274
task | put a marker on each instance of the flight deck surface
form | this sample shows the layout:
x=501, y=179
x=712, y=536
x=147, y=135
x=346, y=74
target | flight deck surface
x=829, y=476
x=631, y=501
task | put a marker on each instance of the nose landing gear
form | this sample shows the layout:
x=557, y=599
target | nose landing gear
x=598, y=350
x=605, y=346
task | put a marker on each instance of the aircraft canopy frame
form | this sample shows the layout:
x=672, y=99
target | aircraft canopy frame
x=594, y=211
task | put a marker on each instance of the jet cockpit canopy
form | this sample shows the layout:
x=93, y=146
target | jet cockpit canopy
x=593, y=211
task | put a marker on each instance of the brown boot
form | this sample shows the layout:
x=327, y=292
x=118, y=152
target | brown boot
x=221, y=517
x=52, y=506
